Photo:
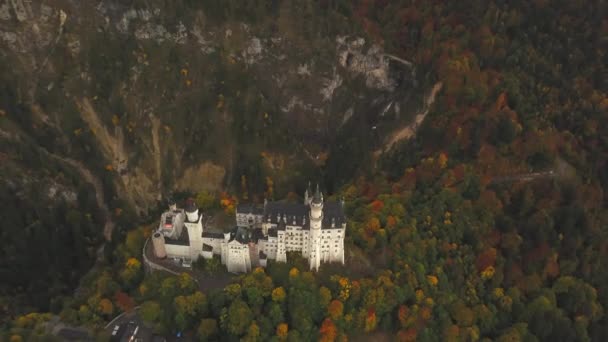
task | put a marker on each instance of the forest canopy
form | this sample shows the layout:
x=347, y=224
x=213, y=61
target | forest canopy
x=490, y=224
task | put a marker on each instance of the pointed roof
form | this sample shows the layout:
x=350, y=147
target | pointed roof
x=318, y=197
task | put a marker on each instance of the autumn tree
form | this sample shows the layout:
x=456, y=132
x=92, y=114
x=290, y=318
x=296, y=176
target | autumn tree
x=207, y=329
x=335, y=309
x=150, y=311
x=282, y=330
x=328, y=331
x=239, y=318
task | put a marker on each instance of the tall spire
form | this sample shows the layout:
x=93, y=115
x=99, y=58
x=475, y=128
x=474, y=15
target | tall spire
x=318, y=197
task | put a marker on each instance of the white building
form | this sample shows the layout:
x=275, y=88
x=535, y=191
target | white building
x=314, y=228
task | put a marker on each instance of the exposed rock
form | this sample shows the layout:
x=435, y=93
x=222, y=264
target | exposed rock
x=5, y=11
x=66, y=194
x=253, y=52
x=22, y=9
x=347, y=115
x=330, y=86
x=205, y=45
x=304, y=70
x=370, y=63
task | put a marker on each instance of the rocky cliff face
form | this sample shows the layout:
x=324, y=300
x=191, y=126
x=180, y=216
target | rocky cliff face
x=156, y=97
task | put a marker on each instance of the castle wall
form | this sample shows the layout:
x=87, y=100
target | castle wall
x=177, y=251
x=281, y=254
x=207, y=254
x=238, y=258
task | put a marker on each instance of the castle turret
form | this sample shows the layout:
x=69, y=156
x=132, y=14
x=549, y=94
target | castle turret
x=158, y=241
x=316, y=221
x=191, y=210
x=307, y=195
x=172, y=204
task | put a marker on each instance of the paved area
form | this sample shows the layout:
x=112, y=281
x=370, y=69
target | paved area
x=205, y=282
x=144, y=334
x=122, y=321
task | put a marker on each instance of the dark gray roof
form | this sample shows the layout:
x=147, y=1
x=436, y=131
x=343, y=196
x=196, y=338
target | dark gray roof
x=277, y=211
x=182, y=240
x=245, y=235
x=242, y=235
x=190, y=205
x=207, y=248
x=257, y=235
x=249, y=209
x=213, y=234
x=285, y=213
x=272, y=232
x=333, y=210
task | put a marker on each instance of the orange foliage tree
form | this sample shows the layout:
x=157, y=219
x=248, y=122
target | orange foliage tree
x=335, y=309
x=328, y=331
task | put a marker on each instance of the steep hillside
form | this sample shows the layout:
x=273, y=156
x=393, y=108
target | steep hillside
x=169, y=97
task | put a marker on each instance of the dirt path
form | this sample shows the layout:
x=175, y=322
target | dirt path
x=408, y=131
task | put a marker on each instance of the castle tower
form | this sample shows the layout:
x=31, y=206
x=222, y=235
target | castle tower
x=194, y=225
x=158, y=241
x=316, y=220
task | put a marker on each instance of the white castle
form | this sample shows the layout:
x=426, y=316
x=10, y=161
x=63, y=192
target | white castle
x=314, y=228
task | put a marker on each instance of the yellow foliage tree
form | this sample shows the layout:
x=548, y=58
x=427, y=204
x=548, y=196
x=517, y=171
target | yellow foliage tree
x=325, y=296
x=294, y=272
x=419, y=295
x=442, y=160
x=282, y=330
x=269, y=187
x=106, y=307
x=488, y=273
x=345, y=287
x=133, y=263
x=278, y=294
